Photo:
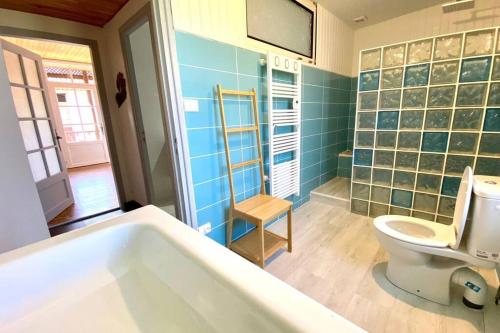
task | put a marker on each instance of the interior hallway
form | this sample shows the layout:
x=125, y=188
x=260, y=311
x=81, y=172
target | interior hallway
x=338, y=261
x=94, y=191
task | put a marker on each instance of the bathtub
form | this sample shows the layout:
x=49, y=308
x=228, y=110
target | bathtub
x=145, y=271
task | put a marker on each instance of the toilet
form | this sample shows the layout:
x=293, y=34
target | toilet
x=426, y=257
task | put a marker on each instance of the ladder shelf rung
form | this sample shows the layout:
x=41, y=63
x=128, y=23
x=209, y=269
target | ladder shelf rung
x=237, y=92
x=241, y=129
x=242, y=164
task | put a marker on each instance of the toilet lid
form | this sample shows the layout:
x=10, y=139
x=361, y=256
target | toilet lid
x=462, y=206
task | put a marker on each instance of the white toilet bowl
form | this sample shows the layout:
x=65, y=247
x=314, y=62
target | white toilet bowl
x=426, y=257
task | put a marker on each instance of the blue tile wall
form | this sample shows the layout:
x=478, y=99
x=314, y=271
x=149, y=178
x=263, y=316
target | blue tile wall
x=435, y=112
x=327, y=109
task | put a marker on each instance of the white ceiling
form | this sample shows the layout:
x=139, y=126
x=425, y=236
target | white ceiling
x=375, y=10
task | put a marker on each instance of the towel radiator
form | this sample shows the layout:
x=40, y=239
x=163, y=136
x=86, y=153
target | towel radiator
x=284, y=114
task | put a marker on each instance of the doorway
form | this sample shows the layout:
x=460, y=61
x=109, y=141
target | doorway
x=76, y=123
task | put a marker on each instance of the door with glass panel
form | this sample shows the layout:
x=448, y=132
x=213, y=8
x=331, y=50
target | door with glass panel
x=80, y=123
x=29, y=93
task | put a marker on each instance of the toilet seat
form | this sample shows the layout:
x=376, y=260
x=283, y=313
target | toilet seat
x=416, y=231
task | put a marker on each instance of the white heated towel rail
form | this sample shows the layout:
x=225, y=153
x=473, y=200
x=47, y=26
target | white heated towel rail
x=284, y=107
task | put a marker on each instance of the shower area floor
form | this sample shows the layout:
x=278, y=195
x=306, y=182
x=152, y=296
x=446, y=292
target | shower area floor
x=335, y=191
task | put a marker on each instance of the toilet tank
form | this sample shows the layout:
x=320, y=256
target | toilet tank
x=484, y=237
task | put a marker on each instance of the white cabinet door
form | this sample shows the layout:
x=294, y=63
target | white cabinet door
x=28, y=87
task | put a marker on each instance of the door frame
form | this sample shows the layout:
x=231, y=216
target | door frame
x=101, y=88
x=169, y=93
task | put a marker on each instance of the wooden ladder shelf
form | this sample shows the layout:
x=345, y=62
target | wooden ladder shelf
x=259, y=244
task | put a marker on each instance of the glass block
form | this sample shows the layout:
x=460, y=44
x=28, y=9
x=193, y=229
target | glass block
x=447, y=206
x=431, y=163
x=494, y=98
x=490, y=144
x=492, y=120
x=411, y=119
x=377, y=210
x=382, y=177
x=369, y=80
x=392, y=78
x=363, y=157
x=37, y=166
x=417, y=75
x=39, y=104
x=428, y=183
x=425, y=202
x=435, y=141
x=402, y=198
x=405, y=180
x=364, y=139
x=45, y=133
x=360, y=191
x=467, y=119
x=386, y=139
x=21, y=103
x=475, y=69
x=368, y=101
x=399, y=211
x=450, y=186
x=394, y=55
x=414, y=98
x=419, y=51
x=438, y=119
x=390, y=99
x=409, y=140
x=471, y=94
x=479, y=42
x=406, y=161
x=361, y=174
x=384, y=158
x=444, y=72
x=359, y=207
x=441, y=96
x=388, y=120
x=380, y=194
x=463, y=143
x=31, y=71
x=14, y=67
x=423, y=216
x=370, y=59
x=448, y=47
x=52, y=161
x=488, y=166
x=444, y=220
x=29, y=135
x=496, y=69
x=366, y=120
x=455, y=164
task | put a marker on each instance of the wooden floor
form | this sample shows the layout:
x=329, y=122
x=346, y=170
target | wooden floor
x=337, y=260
x=94, y=191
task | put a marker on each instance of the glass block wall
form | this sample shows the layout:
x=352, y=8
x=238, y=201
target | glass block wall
x=426, y=109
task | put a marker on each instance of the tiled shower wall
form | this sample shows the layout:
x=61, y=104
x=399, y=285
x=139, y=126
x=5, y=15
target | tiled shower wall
x=426, y=110
x=204, y=63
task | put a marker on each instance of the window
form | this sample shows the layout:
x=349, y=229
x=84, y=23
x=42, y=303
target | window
x=78, y=114
x=283, y=23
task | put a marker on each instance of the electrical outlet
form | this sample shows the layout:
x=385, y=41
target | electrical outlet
x=191, y=105
x=205, y=229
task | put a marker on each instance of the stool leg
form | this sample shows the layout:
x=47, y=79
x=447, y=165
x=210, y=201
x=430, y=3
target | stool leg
x=229, y=229
x=261, y=231
x=289, y=227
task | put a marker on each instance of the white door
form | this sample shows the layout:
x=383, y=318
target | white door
x=29, y=92
x=79, y=124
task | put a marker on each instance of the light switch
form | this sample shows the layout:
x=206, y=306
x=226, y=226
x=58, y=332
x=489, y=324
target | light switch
x=191, y=105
